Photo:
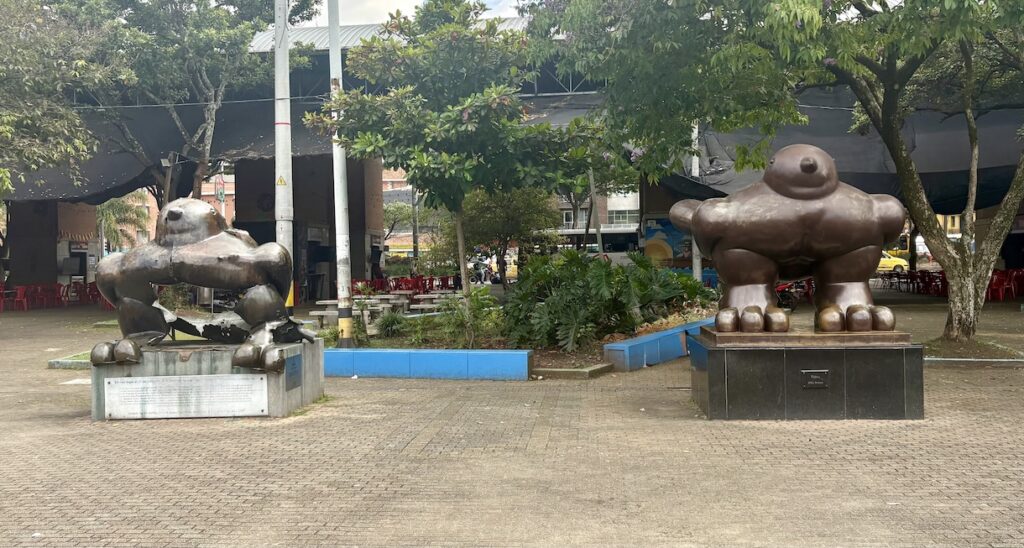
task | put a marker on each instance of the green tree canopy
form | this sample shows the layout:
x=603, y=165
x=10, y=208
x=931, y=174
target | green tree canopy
x=496, y=221
x=44, y=58
x=450, y=118
x=742, y=63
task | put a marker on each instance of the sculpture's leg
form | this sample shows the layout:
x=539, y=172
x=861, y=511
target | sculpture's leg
x=748, y=300
x=141, y=323
x=263, y=308
x=843, y=296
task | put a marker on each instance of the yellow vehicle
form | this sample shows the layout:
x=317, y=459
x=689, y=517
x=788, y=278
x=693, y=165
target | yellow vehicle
x=888, y=263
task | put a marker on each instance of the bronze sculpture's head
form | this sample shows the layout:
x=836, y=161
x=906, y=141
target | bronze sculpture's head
x=802, y=172
x=187, y=221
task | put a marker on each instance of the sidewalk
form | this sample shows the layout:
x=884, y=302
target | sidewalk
x=620, y=460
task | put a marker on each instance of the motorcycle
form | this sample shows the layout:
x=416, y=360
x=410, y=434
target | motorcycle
x=791, y=293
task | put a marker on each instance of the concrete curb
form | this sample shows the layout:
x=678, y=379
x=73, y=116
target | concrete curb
x=582, y=373
x=65, y=363
x=653, y=348
x=975, y=363
x=411, y=363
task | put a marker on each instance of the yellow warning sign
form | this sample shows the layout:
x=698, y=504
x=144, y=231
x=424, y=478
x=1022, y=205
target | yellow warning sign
x=281, y=181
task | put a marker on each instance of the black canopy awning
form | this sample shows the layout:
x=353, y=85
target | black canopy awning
x=938, y=145
x=244, y=130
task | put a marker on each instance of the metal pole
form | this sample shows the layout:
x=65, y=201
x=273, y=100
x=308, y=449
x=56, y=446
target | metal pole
x=698, y=266
x=593, y=210
x=341, y=228
x=415, y=229
x=284, y=211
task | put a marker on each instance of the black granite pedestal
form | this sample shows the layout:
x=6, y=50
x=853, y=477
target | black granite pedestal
x=806, y=375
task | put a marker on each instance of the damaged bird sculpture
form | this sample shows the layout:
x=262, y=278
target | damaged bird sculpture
x=193, y=245
x=800, y=220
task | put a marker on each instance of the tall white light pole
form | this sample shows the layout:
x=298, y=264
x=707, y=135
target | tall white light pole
x=343, y=248
x=698, y=266
x=284, y=210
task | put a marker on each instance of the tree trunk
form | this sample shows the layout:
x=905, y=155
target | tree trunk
x=202, y=170
x=962, y=318
x=503, y=266
x=586, y=227
x=575, y=216
x=467, y=288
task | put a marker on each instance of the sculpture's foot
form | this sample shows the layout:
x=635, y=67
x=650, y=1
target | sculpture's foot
x=124, y=351
x=882, y=319
x=727, y=320
x=858, y=318
x=830, y=319
x=752, y=320
x=250, y=355
x=776, y=320
x=102, y=353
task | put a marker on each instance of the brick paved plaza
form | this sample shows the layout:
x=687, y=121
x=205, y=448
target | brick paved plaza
x=620, y=460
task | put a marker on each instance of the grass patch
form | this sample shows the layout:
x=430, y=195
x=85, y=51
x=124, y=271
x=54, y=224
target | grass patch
x=81, y=356
x=319, y=401
x=974, y=349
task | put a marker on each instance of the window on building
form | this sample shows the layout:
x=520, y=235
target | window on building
x=624, y=217
x=566, y=218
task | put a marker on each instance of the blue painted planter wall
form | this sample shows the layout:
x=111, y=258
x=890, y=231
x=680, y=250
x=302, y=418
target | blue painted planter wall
x=498, y=365
x=663, y=346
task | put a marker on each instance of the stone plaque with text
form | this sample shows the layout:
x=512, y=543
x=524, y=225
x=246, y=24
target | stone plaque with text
x=188, y=396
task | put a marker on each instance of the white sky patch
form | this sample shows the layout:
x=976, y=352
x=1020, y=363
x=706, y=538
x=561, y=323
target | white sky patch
x=357, y=12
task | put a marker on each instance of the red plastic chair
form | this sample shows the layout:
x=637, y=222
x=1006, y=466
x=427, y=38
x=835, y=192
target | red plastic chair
x=21, y=298
x=998, y=285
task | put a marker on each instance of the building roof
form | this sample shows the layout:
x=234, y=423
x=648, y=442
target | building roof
x=351, y=35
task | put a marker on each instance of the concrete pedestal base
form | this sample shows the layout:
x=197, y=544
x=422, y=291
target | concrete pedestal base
x=195, y=379
x=807, y=376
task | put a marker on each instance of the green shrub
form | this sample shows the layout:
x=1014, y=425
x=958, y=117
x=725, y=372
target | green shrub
x=571, y=300
x=176, y=297
x=391, y=324
x=463, y=322
x=329, y=335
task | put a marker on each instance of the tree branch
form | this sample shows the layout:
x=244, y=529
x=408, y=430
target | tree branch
x=864, y=9
x=906, y=72
x=1013, y=58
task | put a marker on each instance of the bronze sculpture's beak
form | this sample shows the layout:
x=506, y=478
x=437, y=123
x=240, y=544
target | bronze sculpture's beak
x=174, y=214
x=808, y=165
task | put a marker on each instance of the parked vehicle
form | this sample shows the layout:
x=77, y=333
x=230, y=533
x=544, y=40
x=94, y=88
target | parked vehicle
x=888, y=263
x=791, y=293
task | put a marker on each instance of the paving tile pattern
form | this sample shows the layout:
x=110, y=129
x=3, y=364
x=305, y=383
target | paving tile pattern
x=622, y=460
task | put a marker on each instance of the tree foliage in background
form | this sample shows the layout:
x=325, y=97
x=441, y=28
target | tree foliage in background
x=496, y=221
x=397, y=218
x=741, y=64
x=122, y=218
x=571, y=299
x=44, y=58
x=589, y=159
x=450, y=118
x=190, y=51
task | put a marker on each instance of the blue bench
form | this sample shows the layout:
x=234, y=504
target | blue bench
x=663, y=346
x=499, y=365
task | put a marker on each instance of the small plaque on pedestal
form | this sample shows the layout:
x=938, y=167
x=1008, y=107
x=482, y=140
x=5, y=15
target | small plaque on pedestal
x=186, y=396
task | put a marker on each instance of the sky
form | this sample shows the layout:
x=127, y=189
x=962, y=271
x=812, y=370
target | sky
x=376, y=11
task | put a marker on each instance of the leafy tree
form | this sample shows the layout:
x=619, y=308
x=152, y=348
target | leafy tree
x=496, y=221
x=44, y=58
x=122, y=218
x=450, y=118
x=741, y=63
x=190, y=51
x=589, y=161
x=397, y=216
